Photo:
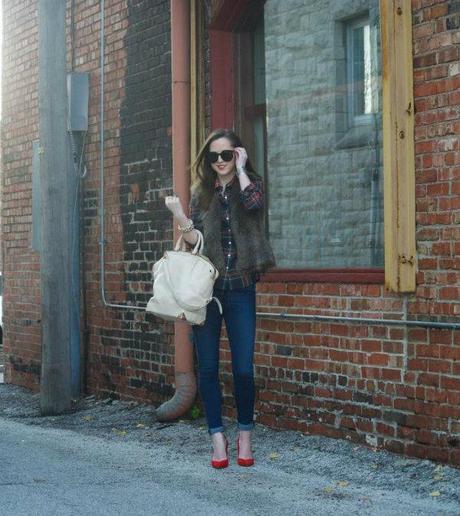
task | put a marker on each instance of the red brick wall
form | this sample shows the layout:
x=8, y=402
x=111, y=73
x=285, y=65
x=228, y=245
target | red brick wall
x=434, y=367
x=388, y=386
x=128, y=354
x=87, y=54
x=21, y=300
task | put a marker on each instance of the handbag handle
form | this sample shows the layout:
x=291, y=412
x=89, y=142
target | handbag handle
x=198, y=249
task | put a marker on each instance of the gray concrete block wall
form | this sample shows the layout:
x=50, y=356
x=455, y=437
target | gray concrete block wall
x=320, y=169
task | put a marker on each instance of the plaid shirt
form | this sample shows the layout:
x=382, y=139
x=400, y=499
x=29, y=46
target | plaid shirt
x=252, y=199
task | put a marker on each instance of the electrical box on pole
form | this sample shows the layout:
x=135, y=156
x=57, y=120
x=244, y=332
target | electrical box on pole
x=78, y=98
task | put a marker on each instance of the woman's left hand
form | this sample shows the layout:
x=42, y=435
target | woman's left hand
x=241, y=157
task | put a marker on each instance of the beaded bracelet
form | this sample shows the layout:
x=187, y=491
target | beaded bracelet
x=186, y=229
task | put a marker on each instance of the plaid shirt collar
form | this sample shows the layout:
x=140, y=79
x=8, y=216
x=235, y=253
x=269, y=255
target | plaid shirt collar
x=219, y=187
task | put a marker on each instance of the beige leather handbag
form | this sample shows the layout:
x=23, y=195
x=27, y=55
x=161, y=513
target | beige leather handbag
x=182, y=284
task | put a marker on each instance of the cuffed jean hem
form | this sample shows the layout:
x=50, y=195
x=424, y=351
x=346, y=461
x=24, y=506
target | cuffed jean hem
x=245, y=426
x=215, y=430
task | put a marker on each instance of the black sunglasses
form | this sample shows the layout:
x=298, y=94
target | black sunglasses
x=226, y=155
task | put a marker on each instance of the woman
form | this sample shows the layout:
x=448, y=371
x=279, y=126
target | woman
x=227, y=207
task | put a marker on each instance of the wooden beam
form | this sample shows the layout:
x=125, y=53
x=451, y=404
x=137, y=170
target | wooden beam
x=398, y=145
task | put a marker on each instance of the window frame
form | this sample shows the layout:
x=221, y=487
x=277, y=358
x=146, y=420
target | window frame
x=354, y=120
x=399, y=270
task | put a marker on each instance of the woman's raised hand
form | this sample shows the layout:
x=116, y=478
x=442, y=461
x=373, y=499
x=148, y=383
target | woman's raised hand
x=241, y=157
x=174, y=205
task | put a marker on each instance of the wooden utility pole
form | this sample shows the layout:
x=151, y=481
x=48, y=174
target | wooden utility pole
x=55, y=210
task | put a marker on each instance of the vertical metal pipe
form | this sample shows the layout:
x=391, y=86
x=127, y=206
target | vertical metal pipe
x=102, y=240
x=180, y=78
x=406, y=333
x=101, y=153
x=74, y=236
x=180, y=72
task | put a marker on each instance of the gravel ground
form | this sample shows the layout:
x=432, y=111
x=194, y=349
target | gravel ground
x=325, y=476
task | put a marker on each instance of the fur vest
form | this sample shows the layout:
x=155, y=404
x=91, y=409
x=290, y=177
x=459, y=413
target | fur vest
x=254, y=254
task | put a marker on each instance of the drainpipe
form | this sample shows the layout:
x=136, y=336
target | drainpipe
x=180, y=71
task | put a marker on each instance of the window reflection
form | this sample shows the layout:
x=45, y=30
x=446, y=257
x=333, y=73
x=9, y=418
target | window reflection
x=310, y=97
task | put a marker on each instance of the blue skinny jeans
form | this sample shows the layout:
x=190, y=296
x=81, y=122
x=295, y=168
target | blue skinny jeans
x=239, y=313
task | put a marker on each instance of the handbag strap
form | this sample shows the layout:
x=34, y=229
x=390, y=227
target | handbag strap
x=198, y=249
x=218, y=304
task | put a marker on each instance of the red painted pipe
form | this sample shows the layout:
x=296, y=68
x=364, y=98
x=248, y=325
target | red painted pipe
x=180, y=70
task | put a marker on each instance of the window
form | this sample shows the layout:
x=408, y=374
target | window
x=317, y=125
x=309, y=106
x=361, y=72
x=251, y=115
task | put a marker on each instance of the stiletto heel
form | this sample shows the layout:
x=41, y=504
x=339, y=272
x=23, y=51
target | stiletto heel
x=222, y=463
x=243, y=462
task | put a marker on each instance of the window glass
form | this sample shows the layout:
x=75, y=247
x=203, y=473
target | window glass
x=320, y=136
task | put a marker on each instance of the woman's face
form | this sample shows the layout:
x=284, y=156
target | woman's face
x=225, y=170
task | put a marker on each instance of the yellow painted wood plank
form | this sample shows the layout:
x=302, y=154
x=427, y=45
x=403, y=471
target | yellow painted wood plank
x=389, y=150
x=405, y=150
x=398, y=145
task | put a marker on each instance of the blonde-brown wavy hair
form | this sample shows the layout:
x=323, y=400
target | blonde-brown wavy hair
x=206, y=176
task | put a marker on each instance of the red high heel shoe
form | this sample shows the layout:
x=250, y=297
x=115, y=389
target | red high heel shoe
x=222, y=463
x=241, y=461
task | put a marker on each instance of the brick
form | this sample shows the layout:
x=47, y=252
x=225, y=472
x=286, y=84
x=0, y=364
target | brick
x=447, y=55
x=435, y=12
x=450, y=383
x=378, y=359
x=371, y=345
x=427, y=59
x=428, y=379
x=279, y=361
x=423, y=90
